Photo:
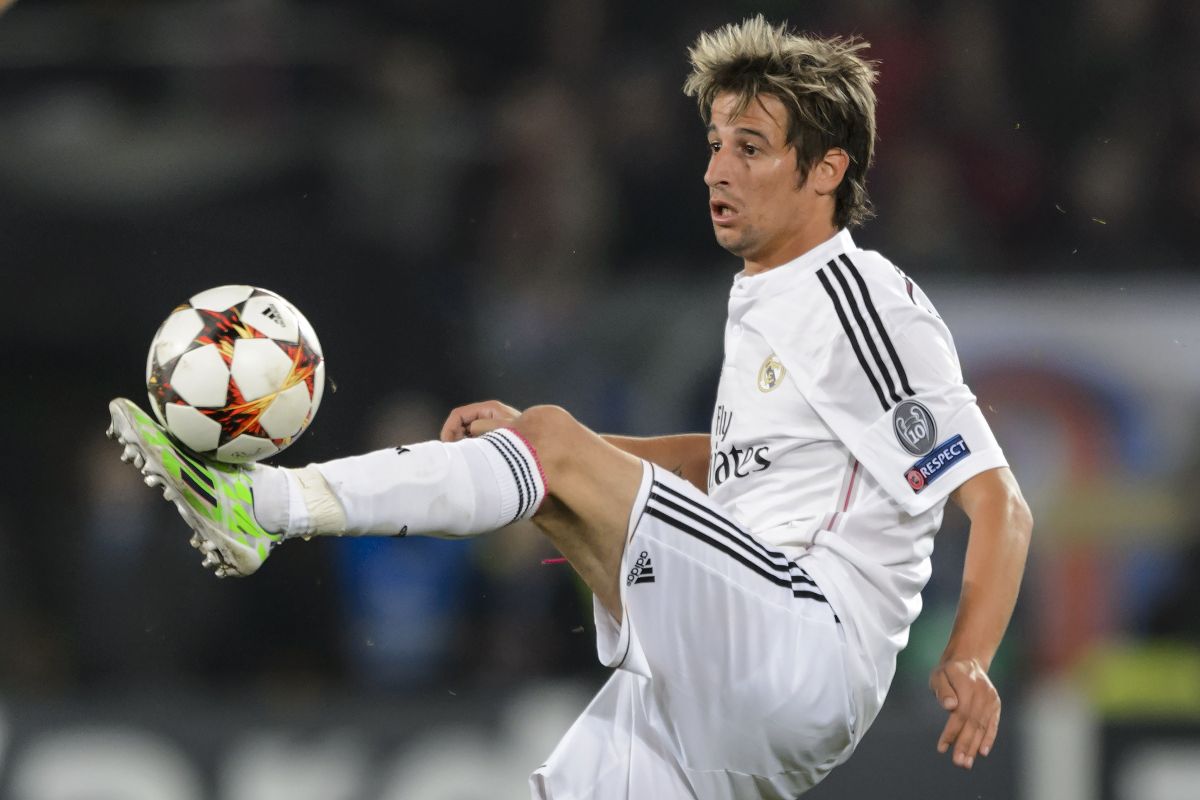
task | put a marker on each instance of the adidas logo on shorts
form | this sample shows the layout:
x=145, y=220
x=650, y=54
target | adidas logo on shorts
x=642, y=572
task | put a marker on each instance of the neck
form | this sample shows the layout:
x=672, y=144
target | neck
x=792, y=248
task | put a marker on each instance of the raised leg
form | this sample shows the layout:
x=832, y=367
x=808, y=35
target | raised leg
x=591, y=490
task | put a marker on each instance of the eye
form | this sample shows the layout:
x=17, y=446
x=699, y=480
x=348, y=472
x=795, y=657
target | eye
x=749, y=149
x=714, y=147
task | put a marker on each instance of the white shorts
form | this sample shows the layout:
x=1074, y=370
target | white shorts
x=731, y=669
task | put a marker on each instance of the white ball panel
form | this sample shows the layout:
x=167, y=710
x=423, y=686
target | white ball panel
x=150, y=359
x=157, y=409
x=193, y=428
x=245, y=448
x=175, y=336
x=284, y=418
x=201, y=377
x=221, y=298
x=273, y=316
x=318, y=387
x=259, y=367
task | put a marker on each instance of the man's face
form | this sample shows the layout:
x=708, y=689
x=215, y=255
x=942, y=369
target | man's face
x=758, y=205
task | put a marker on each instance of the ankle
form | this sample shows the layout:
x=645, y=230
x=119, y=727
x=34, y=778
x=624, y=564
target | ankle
x=271, y=490
x=316, y=510
x=295, y=502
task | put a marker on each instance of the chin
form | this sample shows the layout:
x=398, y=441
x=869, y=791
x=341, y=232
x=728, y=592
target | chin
x=732, y=242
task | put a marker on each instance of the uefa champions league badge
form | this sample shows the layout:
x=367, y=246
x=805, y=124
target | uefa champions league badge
x=915, y=429
x=944, y=456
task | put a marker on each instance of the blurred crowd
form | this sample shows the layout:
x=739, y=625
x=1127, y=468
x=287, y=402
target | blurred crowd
x=475, y=200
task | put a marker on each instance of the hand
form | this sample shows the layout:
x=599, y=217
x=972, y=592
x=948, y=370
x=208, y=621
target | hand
x=476, y=419
x=963, y=688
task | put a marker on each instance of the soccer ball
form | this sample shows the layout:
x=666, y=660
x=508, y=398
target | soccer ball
x=235, y=374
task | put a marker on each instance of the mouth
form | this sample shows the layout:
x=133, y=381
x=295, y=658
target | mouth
x=722, y=212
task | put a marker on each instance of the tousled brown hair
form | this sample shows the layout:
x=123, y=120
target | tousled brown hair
x=825, y=85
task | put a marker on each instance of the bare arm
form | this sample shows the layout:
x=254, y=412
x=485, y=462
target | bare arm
x=999, y=541
x=685, y=454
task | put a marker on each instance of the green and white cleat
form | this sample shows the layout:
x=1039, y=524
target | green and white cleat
x=214, y=499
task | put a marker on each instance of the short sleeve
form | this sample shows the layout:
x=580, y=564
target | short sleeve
x=879, y=366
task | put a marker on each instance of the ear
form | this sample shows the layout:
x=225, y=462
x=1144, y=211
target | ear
x=826, y=175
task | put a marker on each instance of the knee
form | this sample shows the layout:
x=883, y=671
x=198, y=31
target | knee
x=550, y=430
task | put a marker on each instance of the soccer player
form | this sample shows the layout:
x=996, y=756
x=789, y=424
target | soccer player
x=753, y=585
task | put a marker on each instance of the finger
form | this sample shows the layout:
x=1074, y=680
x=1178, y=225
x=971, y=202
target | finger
x=981, y=711
x=992, y=729
x=458, y=423
x=943, y=690
x=454, y=427
x=482, y=426
x=954, y=726
x=969, y=743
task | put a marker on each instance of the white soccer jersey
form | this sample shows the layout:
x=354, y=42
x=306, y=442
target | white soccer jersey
x=841, y=426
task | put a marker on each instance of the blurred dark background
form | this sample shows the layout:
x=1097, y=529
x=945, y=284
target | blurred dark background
x=473, y=200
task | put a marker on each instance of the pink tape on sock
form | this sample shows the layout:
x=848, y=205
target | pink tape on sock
x=538, y=462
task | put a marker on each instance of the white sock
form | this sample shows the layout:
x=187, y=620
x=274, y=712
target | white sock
x=445, y=489
x=295, y=502
x=272, y=491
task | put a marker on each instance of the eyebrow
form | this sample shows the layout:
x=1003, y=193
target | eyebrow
x=744, y=131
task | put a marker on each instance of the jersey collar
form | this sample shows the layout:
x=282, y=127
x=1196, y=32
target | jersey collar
x=778, y=278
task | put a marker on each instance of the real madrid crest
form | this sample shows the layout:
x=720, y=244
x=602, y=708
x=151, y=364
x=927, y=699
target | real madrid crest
x=770, y=374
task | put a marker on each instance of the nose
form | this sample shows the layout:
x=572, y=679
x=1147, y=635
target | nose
x=717, y=173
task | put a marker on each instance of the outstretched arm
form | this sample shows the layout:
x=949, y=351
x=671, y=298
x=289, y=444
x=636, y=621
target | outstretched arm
x=685, y=454
x=999, y=540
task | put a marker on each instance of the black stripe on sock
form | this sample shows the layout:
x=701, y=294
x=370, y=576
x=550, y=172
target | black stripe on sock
x=526, y=469
x=523, y=465
x=516, y=478
x=852, y=301
x=514, y=465
x=841, y=315
x=883, y=334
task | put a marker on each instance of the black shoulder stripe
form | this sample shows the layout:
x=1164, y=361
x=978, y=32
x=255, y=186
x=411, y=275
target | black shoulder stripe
x=841, y=314
x=883, y=334
x=852, y=301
